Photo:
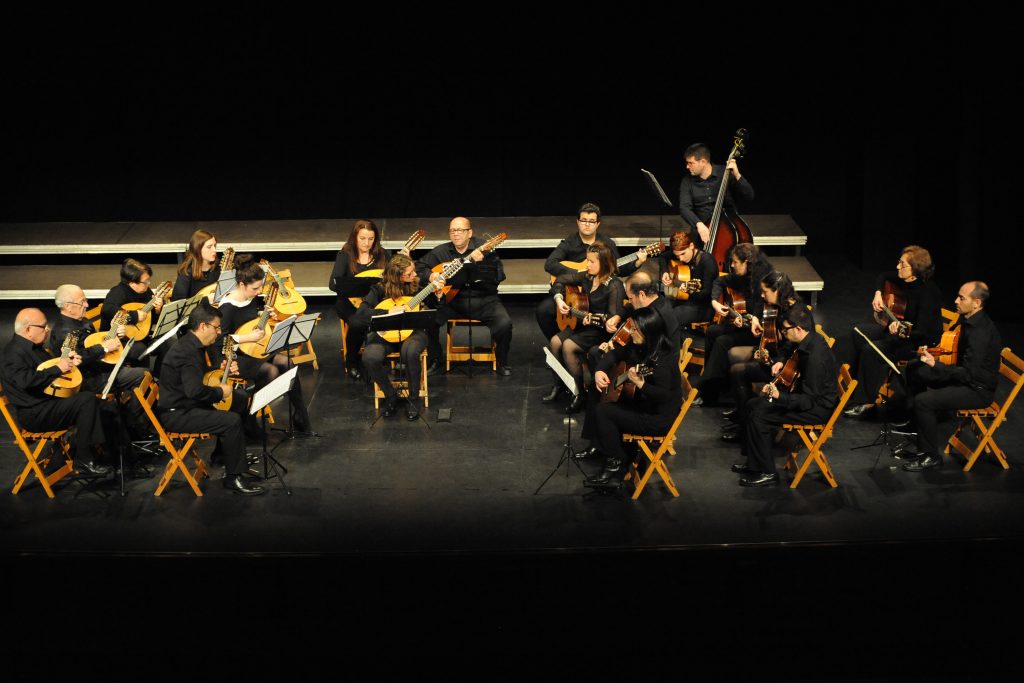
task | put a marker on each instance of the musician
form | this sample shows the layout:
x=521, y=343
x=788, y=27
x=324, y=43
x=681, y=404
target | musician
x=39, y=412
x=697, y=306
x=477, y=283
x=186, y=404
x=938, y=387
x=361, y=252
x=699, y=190
x=400, y=280
x=199, y=267
x=748, y=266
x=133, y=289
x=813, y=400
x=923, y=310
x=238, y=307
x=605, y=295
x=655, y=404
x=574, y=249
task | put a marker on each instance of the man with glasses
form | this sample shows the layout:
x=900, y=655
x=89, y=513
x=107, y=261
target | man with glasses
x=133, y=288
x=477, y=283
x=574, y=249
x=186, y=404
x=812, y=401
x=37, y=411
x=698, y=192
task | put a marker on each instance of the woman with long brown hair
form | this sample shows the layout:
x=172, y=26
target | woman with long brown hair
x=199, y=267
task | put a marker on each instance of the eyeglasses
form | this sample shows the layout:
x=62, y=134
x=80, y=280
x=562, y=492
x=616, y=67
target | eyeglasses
x=83, y=303
x=587, y=221
x=457, y=230
x=216, y=327
x=42, y=327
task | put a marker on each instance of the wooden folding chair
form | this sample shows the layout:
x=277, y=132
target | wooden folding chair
x=824, y=335
x=685, y=354
x=655, y=460
x=948, y=319
x=53, y=443
x=1012, y=368
x=147, y=393
x=454, y=352
x=93, y=316
x=403, y=385
x=814, y=436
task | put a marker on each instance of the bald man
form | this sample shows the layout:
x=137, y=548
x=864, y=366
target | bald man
x=39, y=412
x=477, y=283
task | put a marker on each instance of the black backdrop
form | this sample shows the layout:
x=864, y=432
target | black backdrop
x=873, y=127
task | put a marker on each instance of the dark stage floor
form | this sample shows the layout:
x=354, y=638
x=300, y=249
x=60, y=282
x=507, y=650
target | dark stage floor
x=388, y=505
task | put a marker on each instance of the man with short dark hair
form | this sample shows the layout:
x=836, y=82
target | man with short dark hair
x=699, y=190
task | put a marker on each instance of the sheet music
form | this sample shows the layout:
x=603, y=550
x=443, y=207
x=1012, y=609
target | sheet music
x=117, y=368
x=279, y=387
x=568, y=380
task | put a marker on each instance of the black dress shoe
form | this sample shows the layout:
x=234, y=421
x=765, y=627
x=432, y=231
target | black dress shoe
x=741, y=468
x=93, y=469
x=237, y=484
x=412, y=412
x=761, y=479
x=609, y=474
x=731, y=437
x=390, y=407
x=504, y=370
x=731, y=414
x=926, y=463
x=586, y=453
x=730, y=427
x=857, y=411
x=907, y=451
x=434, y=369
x=354, y=374
x=553, y=395
x=577, y=404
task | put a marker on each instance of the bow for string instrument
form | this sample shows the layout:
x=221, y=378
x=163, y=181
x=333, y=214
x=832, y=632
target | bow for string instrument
x=412, y=303
x=726, y=231
x=215, y=378
x=650, y=250
x=769, y=334
x=68, y=384
x=622, y=385
x=786, y=377
x=894, y=309
x=449, y=291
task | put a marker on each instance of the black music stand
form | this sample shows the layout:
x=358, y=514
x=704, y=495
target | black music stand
x=882, y=440
x=274, y=390
x=570, y=382
x=407, y=320
x=225, y=283
x=288, y=333
x=480, y=269
x=355, y=287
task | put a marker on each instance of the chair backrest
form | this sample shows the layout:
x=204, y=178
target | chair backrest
x=828, y=340
x=689, y=393
x=846, y=386
x=948, y=318
x=1012, y=368
x=147, y=394
x=93, y=316
x=685, y=354
x=11, y=422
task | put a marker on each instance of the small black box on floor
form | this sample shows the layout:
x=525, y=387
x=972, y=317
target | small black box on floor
x=444, y=414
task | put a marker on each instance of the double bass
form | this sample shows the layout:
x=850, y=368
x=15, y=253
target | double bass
x=727, y=230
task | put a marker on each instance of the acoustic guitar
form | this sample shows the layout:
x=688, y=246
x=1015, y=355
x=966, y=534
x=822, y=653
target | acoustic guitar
x=683, y=285
x=579, y=308
x=621, y=385
x=894, y=308
x=258, y=349
x=288, y=301
x=140, y=330
x=410, y=244
x=68, y=384
x=412, y=303
x=580, y=266
x=449, y=291
x=215, y=378
x=111, y=357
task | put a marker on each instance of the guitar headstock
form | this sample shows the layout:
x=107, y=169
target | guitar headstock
x=227, y=259
x=164, y=290
x=493, y=243
x=120, y=318
x=71, y=340
x=655, y=249
x=451, y=268
x=229, y=348
x=267, y=268
x=414, y=241
x=644, y=370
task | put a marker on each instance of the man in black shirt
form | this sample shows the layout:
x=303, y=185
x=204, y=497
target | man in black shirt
x=477, y=283
x=971, y=383
x=699, y=190
x=574, y=249
x=815, y=397
x=37, y=411
x=186, y=404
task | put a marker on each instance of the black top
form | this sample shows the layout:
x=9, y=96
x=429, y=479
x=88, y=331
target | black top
x=978, y=358
x=482, y=278
x=608, y=298
x=186, y=287
x=573, y=249
x=817, y=390
x=117, y=297
x=924, y=308
x=670, y=322
x=342, y=272
x=697, y=196
x=233, y=317
x=61, y=326
x=743, y=285
x=181, y=377
x=662, y=392
x=22, y=383
x=375, y=296
x=702, y=268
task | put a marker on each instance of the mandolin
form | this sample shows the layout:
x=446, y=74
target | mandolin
x=120, y=318
x=449, y=291
x=579, y=308
x=288, y=301
x=215, y=378
x=258, y=349
x=580, y=266
x=621, y=384
x=140, y=330
x=412, y=303
x=68, y=384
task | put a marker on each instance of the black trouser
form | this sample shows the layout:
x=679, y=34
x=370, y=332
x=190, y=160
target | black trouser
x=375, y=362
x=868, y=367
x=741, y=376
x=489, y=310
x=612, y=420
x=546, y=314
x=225, y=424
x=932, y=398
x=720, y=338
x=81, y=411
x=687, y=313
x=762, y=421
x=263, y=372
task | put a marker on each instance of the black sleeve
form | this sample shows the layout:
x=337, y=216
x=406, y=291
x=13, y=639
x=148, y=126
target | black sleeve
x=340, y=271
x=113, y=302
x=182, y=285
x=708, y=273
x=553, y=263
x=742, y=188
x=819, y=387
x=927, y=327
x=616, y=298
x=570, y=277
x=657, y=388
x=366, y=308
x=20, y=372
x=686, y=203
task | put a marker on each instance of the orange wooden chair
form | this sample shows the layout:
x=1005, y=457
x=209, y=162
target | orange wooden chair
x=47, y=445
x=814, y=436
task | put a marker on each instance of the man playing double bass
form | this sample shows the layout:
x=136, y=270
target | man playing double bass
x=699, y=190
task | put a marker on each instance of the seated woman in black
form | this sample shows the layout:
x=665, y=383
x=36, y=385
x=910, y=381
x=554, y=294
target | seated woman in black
x=361, y=252
x=238, y=307
x=688, y=307
x=400, y=280
x=744, y=368
x=199, y=268
x=748, y=267
x=655, y=403
x=605, y=295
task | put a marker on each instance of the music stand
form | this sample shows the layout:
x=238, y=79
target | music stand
x=570, y=383
x=274, y=390
x=292, y=331
x=406, y=320
x=480, y=269
x=882, y=440
x=173, y=316
x=355, y=287
x=225, y=283
x=656, y=188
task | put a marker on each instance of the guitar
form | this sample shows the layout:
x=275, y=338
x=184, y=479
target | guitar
x=621, y=384
x=894, y=308
x=769, y=334
x=288, y=301
x=736, y=303
x=120, y=318
x=786, y=376
x=227, y=262
x=140, y=330
x=258, y=349
x=579, y=308
x=948, y=350
x=412, y=303
x=580, y=266
x=683, y=285
x=215, y=378
x=449, y=291
x=68, y=384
